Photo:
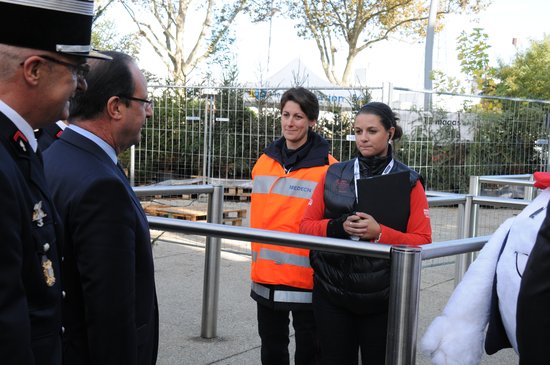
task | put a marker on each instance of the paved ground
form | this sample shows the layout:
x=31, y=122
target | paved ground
x=179, y=276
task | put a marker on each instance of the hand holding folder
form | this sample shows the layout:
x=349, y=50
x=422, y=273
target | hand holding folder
x=386, y=198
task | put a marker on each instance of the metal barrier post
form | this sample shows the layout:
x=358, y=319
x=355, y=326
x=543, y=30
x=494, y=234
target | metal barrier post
x=529, y=191
x=475, y=190
x=212, y=267
x=406, y=264
x=390, y=93
x=471, y=219
x=464, y=260
x=460, y=219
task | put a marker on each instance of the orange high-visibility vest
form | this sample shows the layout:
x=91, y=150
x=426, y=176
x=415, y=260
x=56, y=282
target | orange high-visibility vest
x=278, y=202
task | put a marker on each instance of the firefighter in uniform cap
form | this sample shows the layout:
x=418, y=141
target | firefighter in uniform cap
x=43, y=50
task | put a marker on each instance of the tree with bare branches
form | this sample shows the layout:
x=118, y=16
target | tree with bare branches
x=169, y=27
x=101, y=7
x=351, y=26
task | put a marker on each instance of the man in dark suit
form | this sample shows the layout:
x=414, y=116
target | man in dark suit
x=42, y=63
x=110, y=310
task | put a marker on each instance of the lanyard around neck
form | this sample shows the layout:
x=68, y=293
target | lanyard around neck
x=357, y=174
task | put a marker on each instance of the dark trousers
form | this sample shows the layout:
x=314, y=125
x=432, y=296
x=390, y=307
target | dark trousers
x=342, y=334
x=273, y=327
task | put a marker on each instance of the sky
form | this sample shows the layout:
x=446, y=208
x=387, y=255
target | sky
x=395, y=61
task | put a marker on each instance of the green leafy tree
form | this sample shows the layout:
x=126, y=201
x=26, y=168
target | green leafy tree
x=528, y=76
x=474, y=60
x=445, y=83
x=474, y=64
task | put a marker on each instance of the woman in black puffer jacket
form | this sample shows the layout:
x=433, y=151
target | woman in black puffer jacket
x=350, y=293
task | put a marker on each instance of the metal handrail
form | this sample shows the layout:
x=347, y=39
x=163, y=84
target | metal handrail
x=453, y=247
x=498, y=178
x=437, y=201
x=173, y=190
x=500, y=202
x=495, y=180
x=272, y=237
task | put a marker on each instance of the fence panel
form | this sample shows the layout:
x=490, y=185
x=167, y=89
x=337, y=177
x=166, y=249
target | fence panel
x=218, y=133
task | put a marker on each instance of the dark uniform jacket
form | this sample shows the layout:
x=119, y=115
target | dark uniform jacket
x=30, y=285
x=110, y=311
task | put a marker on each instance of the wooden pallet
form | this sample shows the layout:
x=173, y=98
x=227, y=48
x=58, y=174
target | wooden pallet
x=230, y=216
x=234, y=217
x=237, y=193
x=234, y=213
x=233, y=221
x=175, y=212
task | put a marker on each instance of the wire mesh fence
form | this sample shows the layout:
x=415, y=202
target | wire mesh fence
x=218, y=133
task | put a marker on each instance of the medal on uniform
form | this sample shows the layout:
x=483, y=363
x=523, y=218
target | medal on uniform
x=38, y=214
x=47, y=270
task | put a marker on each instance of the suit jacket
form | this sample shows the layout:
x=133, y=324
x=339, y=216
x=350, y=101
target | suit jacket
x=30, y=291
x=110, y=310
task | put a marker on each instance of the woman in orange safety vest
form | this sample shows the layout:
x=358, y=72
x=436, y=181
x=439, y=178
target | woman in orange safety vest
x=284, y=179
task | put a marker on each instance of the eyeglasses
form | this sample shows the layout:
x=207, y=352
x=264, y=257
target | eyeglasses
x=80, y=70
x=147, y=103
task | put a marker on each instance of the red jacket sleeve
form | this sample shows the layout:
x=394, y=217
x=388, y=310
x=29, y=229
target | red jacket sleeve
x=313, y=222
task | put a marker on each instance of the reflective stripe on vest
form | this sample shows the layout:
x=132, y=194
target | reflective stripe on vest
x=260, y=290
x=262, y=184
x=286, y=186
x=284, y=296
x=281, y=258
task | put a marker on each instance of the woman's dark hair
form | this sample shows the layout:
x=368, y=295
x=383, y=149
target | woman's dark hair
x=387, y=116
x=306, y=99
x=106, y=79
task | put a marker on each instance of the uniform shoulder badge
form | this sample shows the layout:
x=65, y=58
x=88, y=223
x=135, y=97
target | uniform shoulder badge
x=20, y=138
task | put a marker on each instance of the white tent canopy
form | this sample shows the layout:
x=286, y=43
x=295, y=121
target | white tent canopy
x=296, y=73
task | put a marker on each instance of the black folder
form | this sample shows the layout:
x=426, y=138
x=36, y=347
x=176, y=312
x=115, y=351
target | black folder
x=386, y=198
